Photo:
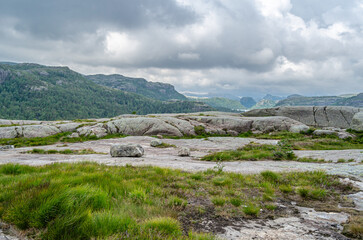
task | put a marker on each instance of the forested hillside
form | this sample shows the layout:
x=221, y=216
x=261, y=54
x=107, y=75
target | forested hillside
x=32, y=91
x=155, y=90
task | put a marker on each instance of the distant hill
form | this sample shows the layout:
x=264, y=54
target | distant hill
x=355, y=101
x=309, y=101
x=155, y=90
x=248, y=102
x=264, y=103
x=298, y=100
x=32, y=91
x=272, y=98
x=221, y=104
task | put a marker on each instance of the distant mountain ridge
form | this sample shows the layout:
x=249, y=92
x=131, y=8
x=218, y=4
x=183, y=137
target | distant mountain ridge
x=33, y=91
x=222, y=104
x=155, y=90
x=297, y=100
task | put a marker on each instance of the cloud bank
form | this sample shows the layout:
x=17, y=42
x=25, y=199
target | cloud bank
x=241, y=47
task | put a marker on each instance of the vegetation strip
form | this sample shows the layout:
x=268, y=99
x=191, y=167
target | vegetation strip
x=57, y=138
x=87, y=200
x=65, y=151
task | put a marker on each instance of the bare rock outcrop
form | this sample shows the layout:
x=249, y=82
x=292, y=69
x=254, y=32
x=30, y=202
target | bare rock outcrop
x=357, y=122
x=31, y=131
x=330, y=116
x=142, y=126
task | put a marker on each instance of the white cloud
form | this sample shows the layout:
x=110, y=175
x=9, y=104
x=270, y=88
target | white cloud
x=245, y=47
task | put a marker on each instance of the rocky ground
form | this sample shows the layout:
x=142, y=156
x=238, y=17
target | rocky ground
x=299, y=223
x=302, y=223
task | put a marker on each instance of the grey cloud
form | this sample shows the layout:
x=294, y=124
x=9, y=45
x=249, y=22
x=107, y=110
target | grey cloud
x=214, y=46
x=60, y=19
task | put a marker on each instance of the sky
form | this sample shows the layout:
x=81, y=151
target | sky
x=236, y=47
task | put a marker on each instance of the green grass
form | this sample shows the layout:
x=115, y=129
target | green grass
x=92, y=201
x=65, y=151
x=252, y=152
x=165, y=145
x=57, y=138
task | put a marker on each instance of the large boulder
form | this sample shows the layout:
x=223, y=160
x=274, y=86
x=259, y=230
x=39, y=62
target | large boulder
x=236, y=124
x=5, y=122
x=142, y=126
x=330, y=116
x=31, y=131
x=182, y=125
x=9, y=132
x=271, y=124
x=127, y=150
x=68, y=127
x=357, y=122
x=99, y=130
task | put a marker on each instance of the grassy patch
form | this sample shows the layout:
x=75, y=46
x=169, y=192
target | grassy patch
x=83, y=120
x=91, y=201
x=354, y=228
x=253, y=152
x=65, y=151
x=57, y=138
x=165, y=145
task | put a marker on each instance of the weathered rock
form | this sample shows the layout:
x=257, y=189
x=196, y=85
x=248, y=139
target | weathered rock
x=357, y=122
x=237, y=124
x=142, y=126
x=74, y=135
x=345, y=135
x=127, y=150
x=270, y=124
x=184, y=152
x=6, y=147
x=299, y=129
x=8, y=132
x=330, y=116
x=68, y=127
x=155, y=143
x=324, y=132
x=30, y=131
x=97, y=130
x=182, y=125
x=5, y=122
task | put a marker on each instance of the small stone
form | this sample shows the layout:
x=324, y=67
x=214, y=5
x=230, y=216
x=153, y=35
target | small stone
x=155, y=143
x=184, y=152
x=324, y=132
x=74, y=135
x=345, y=135
x=232, y=133
x=6, y=147
x=299, y=128
x=159, y=136
x=127, y=150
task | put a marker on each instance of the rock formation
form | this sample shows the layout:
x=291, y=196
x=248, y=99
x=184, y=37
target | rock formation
x=330, y=116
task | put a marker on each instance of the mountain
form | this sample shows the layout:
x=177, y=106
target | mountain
x=355, y=101
x=298, y=100
x=272, y=98
x=265, y=103
x=155, y=90
x=309, y=101
x=248, y=102
x=32, y=91
x=221, y=104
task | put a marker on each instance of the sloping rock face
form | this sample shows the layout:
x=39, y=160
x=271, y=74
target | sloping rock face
x=357, y=122
x=331, y=116
x=142, y=126
x=169, y=125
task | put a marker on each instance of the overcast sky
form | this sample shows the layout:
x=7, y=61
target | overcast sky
x=241, y=47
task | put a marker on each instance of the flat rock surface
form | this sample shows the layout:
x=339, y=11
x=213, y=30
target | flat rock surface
x=309, y=224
